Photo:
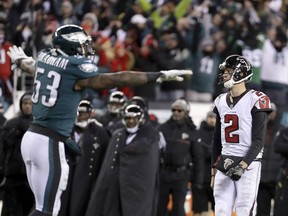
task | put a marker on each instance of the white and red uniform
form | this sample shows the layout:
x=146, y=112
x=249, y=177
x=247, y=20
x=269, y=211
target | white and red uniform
x=239, y=132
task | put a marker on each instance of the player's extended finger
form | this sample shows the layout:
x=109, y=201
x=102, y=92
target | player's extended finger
x=185, y=72
x=179, y=79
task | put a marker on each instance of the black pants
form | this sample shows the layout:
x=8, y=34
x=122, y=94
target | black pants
x=178, y=190
x=266, y=193
x=281, y=196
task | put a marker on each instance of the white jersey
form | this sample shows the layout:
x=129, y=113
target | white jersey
x=236, y=121
x=274, y=64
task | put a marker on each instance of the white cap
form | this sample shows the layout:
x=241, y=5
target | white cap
x=138, y=19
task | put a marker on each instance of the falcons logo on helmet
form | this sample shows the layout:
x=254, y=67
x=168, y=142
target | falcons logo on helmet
x=244, y=61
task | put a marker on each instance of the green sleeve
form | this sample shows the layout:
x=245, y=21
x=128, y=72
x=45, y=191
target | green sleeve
x=145, y=5
x=182, y=8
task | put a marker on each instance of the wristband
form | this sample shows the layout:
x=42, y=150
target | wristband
x=152, y=76
x=19, y=61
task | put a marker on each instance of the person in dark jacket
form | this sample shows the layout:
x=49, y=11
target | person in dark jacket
x=202, y=196
x=2, y=159
x=116, y=102
x=281, y=192
x=93, y=139
x=18, y=198
x=2, y=117
x=177, y=157
x=144, y=105
x=127, y=184
x=271, y=163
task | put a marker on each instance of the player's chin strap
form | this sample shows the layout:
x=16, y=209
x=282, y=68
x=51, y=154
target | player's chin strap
x=230, y=83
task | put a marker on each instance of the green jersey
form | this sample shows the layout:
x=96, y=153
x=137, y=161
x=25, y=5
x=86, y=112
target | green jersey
x=54, y=99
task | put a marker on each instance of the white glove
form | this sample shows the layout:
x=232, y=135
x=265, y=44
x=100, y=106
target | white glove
x=173, y=75
x=16, y=53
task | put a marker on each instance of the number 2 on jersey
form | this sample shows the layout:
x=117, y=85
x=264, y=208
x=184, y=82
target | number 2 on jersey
x=50, y=100
x=234, y=126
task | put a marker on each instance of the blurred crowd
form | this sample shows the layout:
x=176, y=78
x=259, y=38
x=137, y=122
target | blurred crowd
x=154, y=35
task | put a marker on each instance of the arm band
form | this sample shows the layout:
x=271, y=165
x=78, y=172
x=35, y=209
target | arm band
x=152, y=76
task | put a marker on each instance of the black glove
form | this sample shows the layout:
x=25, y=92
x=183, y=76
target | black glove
x=236, y=172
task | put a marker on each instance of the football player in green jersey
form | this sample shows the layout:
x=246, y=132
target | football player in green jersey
x=61, y=73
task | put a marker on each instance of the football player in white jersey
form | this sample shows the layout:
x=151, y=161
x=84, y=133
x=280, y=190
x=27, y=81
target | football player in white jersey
x=237, y=145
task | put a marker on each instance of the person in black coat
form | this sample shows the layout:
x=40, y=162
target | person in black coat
x=93, y=139
x=2, y=121
x=18, y=198
x=116, y=102
x=177, y=157
x=271, y=163
x=2, y=117
x=203, y=195
x=281, y=192
x=127, y=184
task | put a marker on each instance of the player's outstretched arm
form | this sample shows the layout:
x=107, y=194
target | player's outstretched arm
x=21, y=60
x=129, y=78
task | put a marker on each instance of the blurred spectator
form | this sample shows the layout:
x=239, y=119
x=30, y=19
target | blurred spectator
x=18, y=197
x=144, y=105
x=66, y=15
x=2, y=117
x=181, y=157
x=131, y=41
x=90, y=23
x=2, y=159
x=123, y=60
x=274, y=73
x=11, y=15
x=93, y=139
x=250, y=43
x=234, y=26
x=205, y=70
x=165, y=16
x=116, y=102
x=281, y=193
x=23, y=36
x=5, y=73
x=202, y=197
x=105, y=51
x=128, y=180
x=43, y=28
x=138, y=25
x=173, y=55
x=271, y=164
x=114, y=30
x=116, y=57
x=146, y=60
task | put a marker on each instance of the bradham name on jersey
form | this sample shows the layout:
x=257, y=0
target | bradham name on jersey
x=54, y=61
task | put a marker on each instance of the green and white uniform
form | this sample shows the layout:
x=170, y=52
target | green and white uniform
x=55, y=105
